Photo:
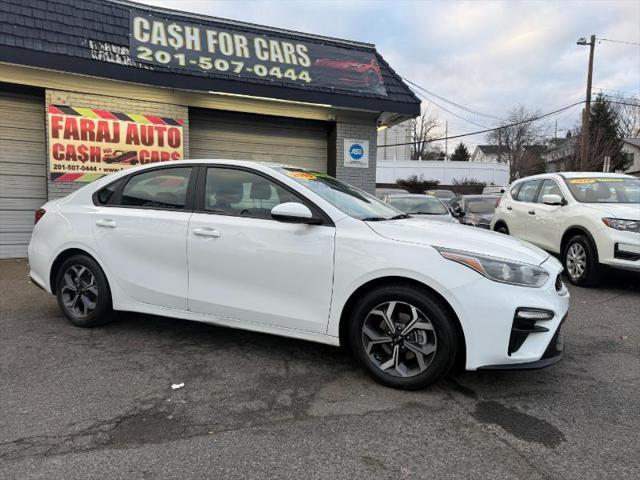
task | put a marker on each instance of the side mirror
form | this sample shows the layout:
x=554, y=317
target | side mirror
x=553, y=199
x=457, y=212
x=293, y=212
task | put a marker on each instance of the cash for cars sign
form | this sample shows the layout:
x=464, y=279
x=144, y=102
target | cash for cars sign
x=85, y=144
x=217, y=49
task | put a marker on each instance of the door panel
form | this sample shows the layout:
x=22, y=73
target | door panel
x=141, y=234
x=145, y=250
x=544, y=229
x=245, y=266
x=523, y=204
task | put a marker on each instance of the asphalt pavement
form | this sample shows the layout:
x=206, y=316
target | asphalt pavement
x=99, y=403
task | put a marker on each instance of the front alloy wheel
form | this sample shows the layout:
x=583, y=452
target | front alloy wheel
x=403, y=335
x=399, y=339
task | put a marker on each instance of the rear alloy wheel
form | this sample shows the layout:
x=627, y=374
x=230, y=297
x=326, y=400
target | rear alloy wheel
x=403, y=337
x=580, y=261
x=83, y=293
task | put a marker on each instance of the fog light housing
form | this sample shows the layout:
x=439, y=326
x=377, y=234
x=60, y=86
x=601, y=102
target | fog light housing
x=524, y=324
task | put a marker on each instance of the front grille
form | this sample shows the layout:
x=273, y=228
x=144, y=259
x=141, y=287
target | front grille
x=559, y=284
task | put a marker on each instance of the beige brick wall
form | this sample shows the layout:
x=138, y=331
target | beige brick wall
x=116, y=104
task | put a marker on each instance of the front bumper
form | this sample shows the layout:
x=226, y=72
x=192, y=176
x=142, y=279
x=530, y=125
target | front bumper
x=551, y=356
x=618, y=249
x=487, y=317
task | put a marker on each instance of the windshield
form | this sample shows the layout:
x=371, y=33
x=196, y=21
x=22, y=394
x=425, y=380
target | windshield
x=605, y=190
x=481, y=205
x=351, y=200
x=418, y=205
x=441, y=193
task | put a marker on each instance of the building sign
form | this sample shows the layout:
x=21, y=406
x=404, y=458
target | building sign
x=85, y=144
x=356, y=153
x=211, y=49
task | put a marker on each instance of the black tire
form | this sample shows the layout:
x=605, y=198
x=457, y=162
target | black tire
x=501, y=228
x=446, y=337
x=590, y=274
x=102, y=313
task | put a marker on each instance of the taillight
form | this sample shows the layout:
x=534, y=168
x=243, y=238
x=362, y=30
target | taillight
x=498, y=202
x=38, y=215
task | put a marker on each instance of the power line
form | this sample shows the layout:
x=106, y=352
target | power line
x=618, y=91
x=617, y=41
x=461, y=107
x=529, y=120
x=448, y=111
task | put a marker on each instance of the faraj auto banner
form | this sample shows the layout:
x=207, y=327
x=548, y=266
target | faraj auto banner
x=86, y=143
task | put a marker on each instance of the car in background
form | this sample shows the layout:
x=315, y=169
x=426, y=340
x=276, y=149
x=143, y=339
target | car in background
x=352, y=72
x=292, y=252
x=441, y=193
x=474, y=210
x=494, y=189
x=384, y=193
x=120, y=156
x=590, y=219
x=423, y=206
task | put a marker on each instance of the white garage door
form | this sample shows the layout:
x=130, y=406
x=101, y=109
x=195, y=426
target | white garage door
x=23, y=181
x=229, y=135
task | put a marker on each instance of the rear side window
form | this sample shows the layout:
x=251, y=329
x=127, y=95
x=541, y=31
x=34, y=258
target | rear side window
x=529, y=191
x=107, y=195
x=514, y=191
x=162, y=188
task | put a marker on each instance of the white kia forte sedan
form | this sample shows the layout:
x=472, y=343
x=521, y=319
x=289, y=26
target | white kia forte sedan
x=293, y=252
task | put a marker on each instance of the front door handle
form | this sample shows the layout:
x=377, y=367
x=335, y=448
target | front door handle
x=531, y=212
x=106, y=222
x=207, y=232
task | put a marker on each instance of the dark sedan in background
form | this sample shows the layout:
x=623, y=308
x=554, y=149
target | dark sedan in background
x=474, y=210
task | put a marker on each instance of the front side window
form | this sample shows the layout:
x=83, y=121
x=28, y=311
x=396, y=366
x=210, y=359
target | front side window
x=161, y=188
x=549, y=187
x=239, y=192
x=528, y=191
x=418, y=205
x=605, y=189
x=351, y=200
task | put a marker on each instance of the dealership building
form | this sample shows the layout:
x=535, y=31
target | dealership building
x=89, y=87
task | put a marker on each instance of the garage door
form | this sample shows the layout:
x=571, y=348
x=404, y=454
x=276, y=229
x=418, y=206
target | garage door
x=23, y=182
x=229, y=135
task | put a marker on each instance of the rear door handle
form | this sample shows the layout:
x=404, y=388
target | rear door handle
x=106, y=222
x=531, y=212
x=509, y=208
x=207, y=232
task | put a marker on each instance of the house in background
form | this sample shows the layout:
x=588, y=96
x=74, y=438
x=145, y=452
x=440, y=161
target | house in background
x=490, y=154
x=631, y=147
x=400, y=133
x=558, y=156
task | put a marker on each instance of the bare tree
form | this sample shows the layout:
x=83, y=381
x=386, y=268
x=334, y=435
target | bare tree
x=422, y=132
x=518, y=131
x=627, y=108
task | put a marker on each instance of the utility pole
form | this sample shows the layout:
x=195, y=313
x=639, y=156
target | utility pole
x=446, y=139
x=584, y=144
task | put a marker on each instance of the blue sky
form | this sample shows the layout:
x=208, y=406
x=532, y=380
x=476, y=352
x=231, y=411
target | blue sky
x=489, y=55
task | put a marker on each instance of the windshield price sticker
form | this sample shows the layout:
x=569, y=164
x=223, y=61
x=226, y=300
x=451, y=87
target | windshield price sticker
x=216, y=48
x=580, y=181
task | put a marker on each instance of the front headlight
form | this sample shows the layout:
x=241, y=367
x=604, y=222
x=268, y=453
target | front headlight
x=498, y=269
x=624, y=225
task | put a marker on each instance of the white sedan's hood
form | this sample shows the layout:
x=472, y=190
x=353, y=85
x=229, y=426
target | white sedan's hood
x=459, y=237
x=627, y=211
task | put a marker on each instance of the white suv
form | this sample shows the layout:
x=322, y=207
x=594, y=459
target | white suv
x=589, y=218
